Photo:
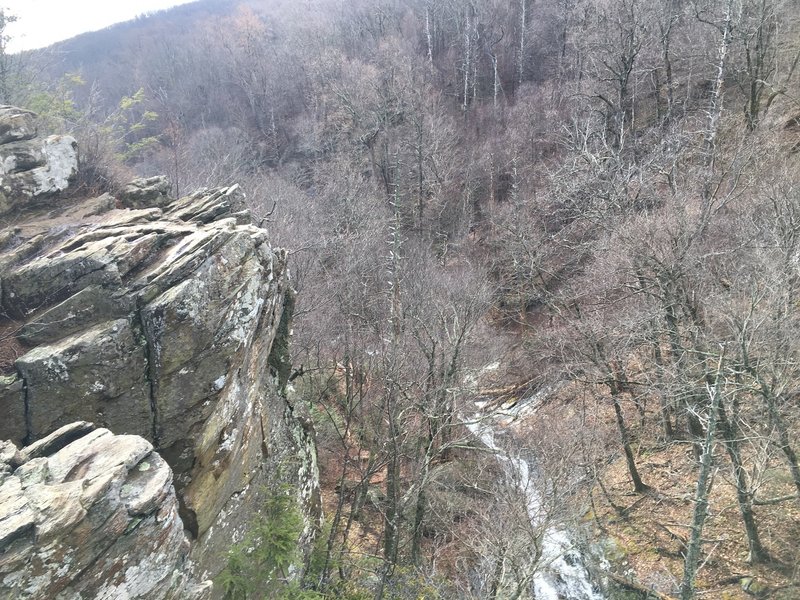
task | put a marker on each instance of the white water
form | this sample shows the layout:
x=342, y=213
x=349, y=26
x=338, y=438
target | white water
x=561, y=574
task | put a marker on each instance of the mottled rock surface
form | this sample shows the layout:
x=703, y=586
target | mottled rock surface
x=144, y=193
x=16, y=124
x=158, y=322
x=88, y=514
x=32, y=169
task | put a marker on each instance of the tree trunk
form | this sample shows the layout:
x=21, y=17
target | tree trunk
x=666, y=59
x=467, y=59
x=523, y=18
x=783, y=438
x=497, y=576
x=678, y=355
x=715, y=108
x=326, y=567
x=775, y=418
x=419, y=509
x=390, y=542
x=496, y=82
x=692, y=557
x=666, y=409
x=429, y=36
x=744, y=496
x=638, y=485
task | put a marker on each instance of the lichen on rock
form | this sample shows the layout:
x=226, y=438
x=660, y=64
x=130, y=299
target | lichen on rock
x=156, y=321
x=32, y=169
x=88, y=514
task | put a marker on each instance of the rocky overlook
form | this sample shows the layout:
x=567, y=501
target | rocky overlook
x=148, y=317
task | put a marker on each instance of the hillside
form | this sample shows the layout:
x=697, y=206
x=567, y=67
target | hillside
x=575, y=219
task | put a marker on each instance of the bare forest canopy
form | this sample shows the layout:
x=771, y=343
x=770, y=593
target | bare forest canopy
x=602, y=196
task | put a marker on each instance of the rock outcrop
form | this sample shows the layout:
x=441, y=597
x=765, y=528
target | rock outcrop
x=144, y=193
x=88, y=514
x=155, y=318
x=32, y=169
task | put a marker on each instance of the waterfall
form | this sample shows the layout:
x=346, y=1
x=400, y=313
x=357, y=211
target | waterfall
x=563, y=575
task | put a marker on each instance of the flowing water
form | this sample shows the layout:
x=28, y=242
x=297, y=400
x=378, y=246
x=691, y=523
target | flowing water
x=562, y=574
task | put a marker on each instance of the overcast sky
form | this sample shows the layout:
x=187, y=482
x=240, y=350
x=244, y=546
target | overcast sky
x=43, y=22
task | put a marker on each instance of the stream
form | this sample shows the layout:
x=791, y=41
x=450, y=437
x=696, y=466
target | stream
x=561, y=574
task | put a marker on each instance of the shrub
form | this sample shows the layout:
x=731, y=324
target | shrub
x=259, y=566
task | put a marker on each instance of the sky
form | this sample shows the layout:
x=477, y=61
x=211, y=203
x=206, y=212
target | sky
x=44, y=22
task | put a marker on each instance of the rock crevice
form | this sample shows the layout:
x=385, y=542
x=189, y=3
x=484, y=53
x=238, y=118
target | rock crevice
x=155, y=318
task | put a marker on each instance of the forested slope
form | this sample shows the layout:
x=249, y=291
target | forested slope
x=600, y=196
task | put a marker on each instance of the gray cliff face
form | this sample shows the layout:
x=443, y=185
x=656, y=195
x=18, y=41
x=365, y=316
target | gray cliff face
x=155, y=318
x=85, y=513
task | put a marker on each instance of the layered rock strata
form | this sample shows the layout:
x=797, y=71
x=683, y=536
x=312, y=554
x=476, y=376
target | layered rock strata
x=88, y=514
x=155, y=318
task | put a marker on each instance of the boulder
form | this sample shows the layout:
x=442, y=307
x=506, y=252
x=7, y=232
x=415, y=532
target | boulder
x=145, y=193
x=89, y=514
x=16, y=124
x=21, y=156
x=34, y=171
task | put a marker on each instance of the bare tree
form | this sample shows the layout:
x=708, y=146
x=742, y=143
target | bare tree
x=704, y=482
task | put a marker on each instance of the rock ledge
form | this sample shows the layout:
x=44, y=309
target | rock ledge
x=87, y=514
